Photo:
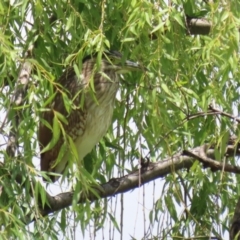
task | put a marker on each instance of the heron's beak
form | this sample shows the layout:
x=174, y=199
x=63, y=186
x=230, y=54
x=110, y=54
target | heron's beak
x=132, y=65
x=129, y=66
x=116, y=63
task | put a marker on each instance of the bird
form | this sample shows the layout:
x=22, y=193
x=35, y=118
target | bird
x=92, y=94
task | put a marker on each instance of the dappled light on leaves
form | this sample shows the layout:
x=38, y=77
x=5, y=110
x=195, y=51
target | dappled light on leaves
x=175, y=122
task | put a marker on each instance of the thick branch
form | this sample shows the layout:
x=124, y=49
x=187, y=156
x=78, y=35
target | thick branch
x=149, y=173
x=198, y=26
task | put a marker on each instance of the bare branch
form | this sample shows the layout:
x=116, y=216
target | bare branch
x=218, y=111
x=198, y=26
x=148, y=173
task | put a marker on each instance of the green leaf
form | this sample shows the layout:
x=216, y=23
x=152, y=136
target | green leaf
x=165, y=88
x=171, y=207
x=128, y=40
x=63, y=222
x=179, y=19
x=113, y=220
x=67, y=103
x=158, y=27
x=56, y=134
x=112, y=145
x=69, y=22
x=76, y=70
x=73, y=148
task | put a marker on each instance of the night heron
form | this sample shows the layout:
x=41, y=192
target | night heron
x=91, y=112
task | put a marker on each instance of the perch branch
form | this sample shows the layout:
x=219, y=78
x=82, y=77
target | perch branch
x=181, y=160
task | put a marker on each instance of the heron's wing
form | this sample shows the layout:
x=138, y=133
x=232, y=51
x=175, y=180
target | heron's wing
x=76, y=120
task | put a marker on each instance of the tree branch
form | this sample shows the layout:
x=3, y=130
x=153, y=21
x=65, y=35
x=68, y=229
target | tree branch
x=148, y=173
x=198, y=26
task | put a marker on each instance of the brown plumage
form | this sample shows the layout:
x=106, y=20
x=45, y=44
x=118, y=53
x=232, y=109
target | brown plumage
x=86, y=124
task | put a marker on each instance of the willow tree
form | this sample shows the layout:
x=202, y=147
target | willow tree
x=175, y=124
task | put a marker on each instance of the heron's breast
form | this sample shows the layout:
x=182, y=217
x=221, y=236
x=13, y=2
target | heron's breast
x=99, y=109
x=97, y=124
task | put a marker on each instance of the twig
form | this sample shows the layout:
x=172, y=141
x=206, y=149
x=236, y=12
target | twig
x=209, y=162
x=211, y=111
x=217, y=111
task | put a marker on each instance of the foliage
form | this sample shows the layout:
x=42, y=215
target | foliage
x=153, y=111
